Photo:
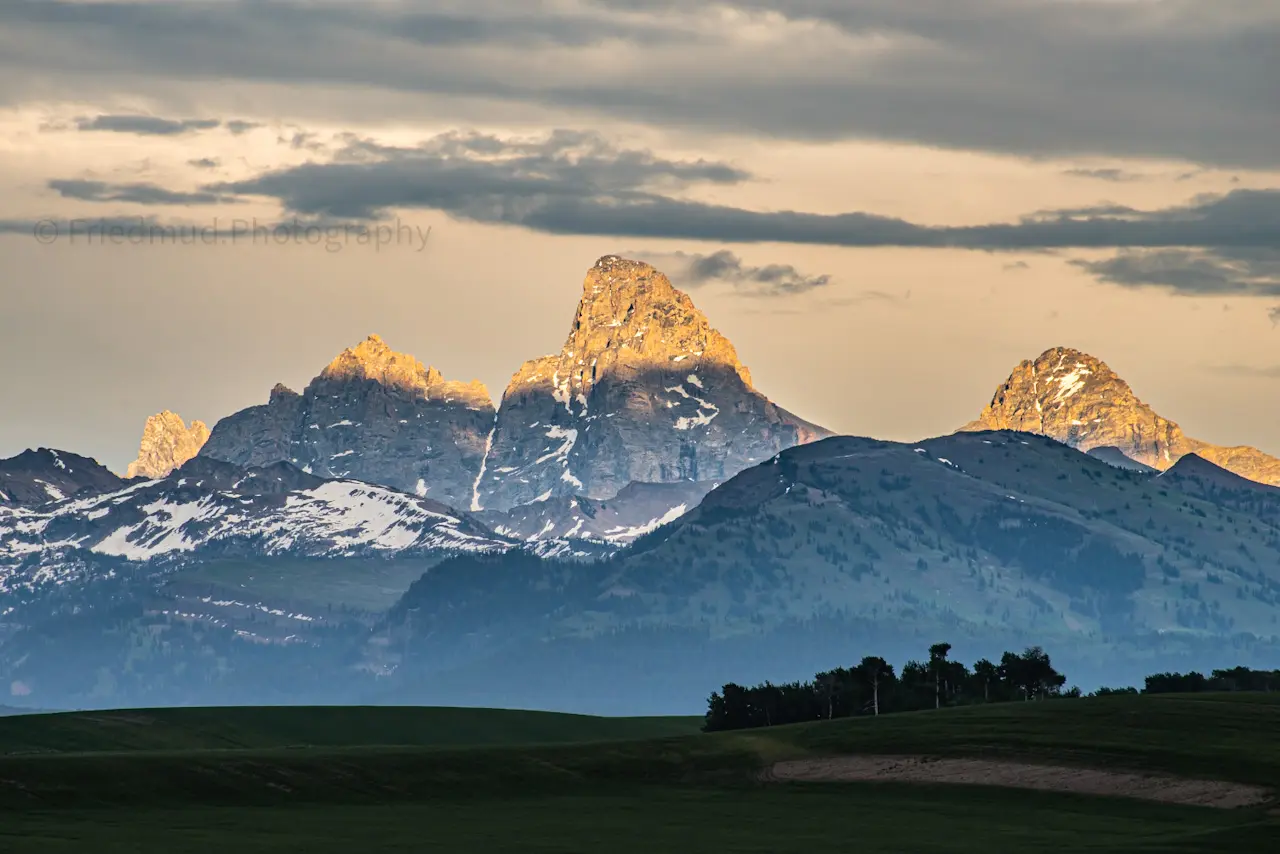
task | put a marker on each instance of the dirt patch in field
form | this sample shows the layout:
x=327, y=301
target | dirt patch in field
x=1020, y=775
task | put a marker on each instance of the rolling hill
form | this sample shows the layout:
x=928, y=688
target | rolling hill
x=271, y=727
x=728, y=790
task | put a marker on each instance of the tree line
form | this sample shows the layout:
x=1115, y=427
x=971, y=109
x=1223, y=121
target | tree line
x=1234, y=679
x=873, y=687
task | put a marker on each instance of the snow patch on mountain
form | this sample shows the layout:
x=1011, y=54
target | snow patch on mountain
x=620, y=534
x=178, y=519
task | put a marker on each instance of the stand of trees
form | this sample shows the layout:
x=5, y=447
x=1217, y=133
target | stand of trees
x=872, y=687
x=1235, y=679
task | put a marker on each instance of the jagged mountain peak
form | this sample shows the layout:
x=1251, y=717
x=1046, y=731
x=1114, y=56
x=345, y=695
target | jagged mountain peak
x=281, y=392
x=167, y=443
x=630, y=314
x=1077, y=399
x=643, y=390
x=373, y=414
x=1064, y=372
x=616, y=284
x=1062, y=354
x=372, y=359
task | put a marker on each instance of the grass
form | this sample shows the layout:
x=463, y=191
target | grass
x=804, y=819
x=265, y=727
x=1221, y=736
x=322, y=780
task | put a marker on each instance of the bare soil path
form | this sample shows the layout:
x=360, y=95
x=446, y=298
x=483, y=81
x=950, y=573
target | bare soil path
x=1021, y=775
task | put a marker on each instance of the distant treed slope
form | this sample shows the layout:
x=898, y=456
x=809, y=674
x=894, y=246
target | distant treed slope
x=1196, y=476
x=644, y=389
x=1075, y=398
x=374, y=415
x=987, y=533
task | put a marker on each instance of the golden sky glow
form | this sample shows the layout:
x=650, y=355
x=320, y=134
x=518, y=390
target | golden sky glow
x=902, y=342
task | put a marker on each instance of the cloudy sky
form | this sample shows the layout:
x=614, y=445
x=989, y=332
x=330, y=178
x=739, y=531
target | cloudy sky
x=884, y=204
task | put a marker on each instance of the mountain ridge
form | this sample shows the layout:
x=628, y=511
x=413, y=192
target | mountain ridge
x=989, y=531
x=371, y=414
x=211, y=509
x=44, y=475
x=1078, y=399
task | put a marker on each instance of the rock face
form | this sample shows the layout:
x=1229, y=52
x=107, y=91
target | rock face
x=167, y=443
x=1076, y=399
x=374, y=415
x=612, y=522
x=42, y=476
x=644, y=390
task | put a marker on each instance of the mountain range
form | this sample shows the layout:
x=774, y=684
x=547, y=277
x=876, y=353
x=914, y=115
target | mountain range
x=390, y=535
x=644, y=391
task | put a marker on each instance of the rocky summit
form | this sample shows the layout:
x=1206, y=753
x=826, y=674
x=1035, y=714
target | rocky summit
x=374, y=415
x=644, y=390
x=167, y=443
x=1076, y=399
x=46, y=476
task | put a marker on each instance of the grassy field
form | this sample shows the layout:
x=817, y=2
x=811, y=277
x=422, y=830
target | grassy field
x=289, y=780
x=266, y=727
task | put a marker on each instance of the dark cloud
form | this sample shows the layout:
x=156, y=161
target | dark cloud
x=138, y=194
x=1096, y=79
x=579, y=183
x=692, y=270
x=1109, y=174
x=483, y=178
x=303, y=140
x=238, y=126
x=1253, y=271
x=205, y=163
x=1274, y=314
x=572, y=182
x=1017, y=265
x=145, y=125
